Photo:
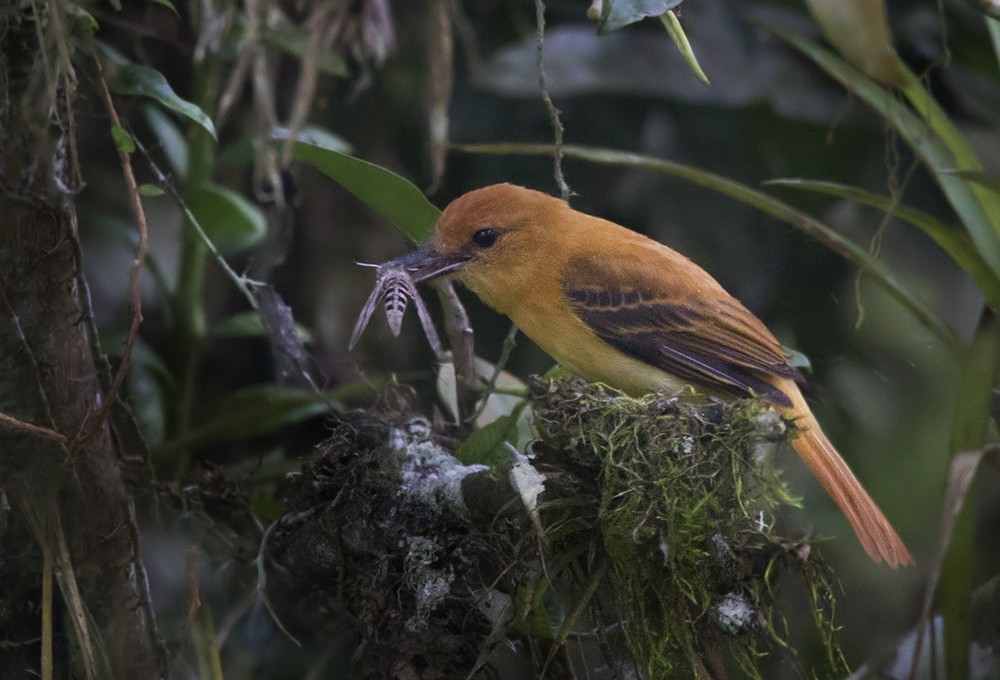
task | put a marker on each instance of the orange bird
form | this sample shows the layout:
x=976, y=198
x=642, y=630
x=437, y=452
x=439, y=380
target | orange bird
x=617, y=307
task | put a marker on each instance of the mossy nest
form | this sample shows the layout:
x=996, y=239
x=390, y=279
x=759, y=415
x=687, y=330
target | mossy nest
x=377, y=533
x=651, y=553
x=684, y=501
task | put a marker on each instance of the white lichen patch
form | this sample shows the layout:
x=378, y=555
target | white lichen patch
x=429, y=585
x=687, y=444
x=735, y=614
x=529, y=484
x=430, y=474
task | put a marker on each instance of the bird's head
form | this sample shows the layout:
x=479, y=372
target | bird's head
x=485, y=238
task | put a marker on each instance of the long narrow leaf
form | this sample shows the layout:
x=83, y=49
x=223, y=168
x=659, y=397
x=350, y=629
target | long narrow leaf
x=961, y=473
x=985, y=179
x=928, y=146
x=938, y=120
x=261, y=410
x=676, y=32
x=395, y=198
x=948, y=132
x=994, y=28
x=957, y=244
x=970, y=432
x=756, y=199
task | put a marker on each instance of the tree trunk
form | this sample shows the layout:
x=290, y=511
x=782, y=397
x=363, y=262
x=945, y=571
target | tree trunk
x=66, y=510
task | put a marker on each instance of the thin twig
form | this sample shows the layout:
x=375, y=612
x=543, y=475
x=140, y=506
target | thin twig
x=509, y=343
x=139, y=256
x=133, y=446
x=47, y=569
x=145, y=598
x=193, y=603
x=90, y=644
x=554, y=114
x=262, y=584
x=460, y=336
x=13, y=422
x=242, y=283
x=42, y=517
x=896, y=190
x=595, y=579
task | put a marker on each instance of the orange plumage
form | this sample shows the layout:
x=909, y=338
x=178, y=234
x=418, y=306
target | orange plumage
x=619, y=308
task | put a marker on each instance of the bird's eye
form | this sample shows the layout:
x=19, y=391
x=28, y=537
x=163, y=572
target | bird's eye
x=484, y=238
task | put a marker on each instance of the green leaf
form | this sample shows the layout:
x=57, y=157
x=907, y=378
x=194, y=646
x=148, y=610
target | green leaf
x=756, y=199
x=82, y=18
x=231, y=222
x=994, y=28
x=963, y=157
x=395, y=198
x=957, y=244
x=617, y=14
x=985, y=179
x=531, y=618
x=942, y=158
x=677, y=34
x=123, y=140
x=859, y=29
x=316, y=136
x=487, y=445
x=134, y=79
x=242, y=152
x=249, y=325
x=170, y=137
x=166, y=3
x=256, y=411
x=266, y=507
x=150, y=190
x=970, y=432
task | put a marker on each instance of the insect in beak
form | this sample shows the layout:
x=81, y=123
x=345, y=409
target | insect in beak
x=395, y=286
x=426, y=263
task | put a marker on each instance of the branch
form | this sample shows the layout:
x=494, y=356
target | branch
x=557, y=125
x=509, y=343
x=13, y=422
x=244, y=284
x=134, y=295
x=460, y=337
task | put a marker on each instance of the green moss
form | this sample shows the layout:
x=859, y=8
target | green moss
x=685, y=505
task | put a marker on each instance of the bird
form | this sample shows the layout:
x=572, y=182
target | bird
x=619, y=308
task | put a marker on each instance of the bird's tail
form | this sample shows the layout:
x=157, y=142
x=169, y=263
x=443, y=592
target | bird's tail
x=877, y=536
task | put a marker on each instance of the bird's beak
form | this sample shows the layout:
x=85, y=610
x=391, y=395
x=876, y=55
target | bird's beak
x=426, y=263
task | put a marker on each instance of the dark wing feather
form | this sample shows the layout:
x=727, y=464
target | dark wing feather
x=710, y=341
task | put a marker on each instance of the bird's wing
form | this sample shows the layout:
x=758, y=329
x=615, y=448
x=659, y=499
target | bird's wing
x=700, y=335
